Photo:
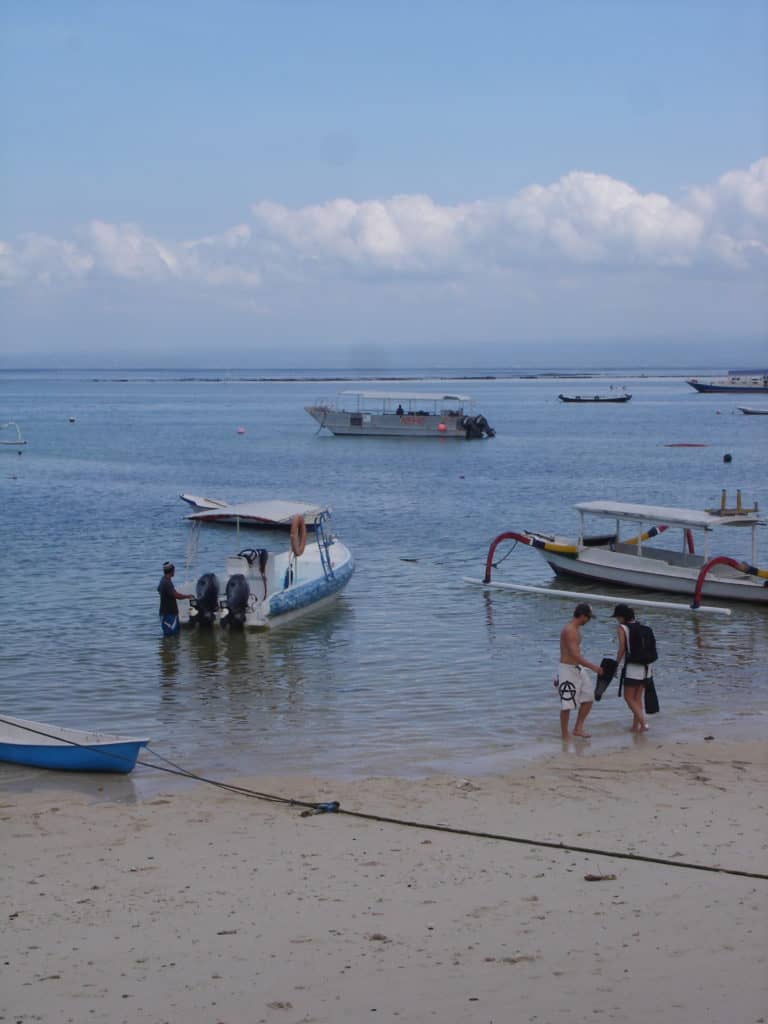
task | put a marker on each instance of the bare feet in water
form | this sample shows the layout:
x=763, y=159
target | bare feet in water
x=582, y=735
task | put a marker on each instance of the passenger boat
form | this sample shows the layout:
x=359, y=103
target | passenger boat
x=633, y=561
x=74, y=750
x=615, y=399
x=380, y=414
x=264, y=588
x=737, y=382
x=273, y=513
x=7, y=441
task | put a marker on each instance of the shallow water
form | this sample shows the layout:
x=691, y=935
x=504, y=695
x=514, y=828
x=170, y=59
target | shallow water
x=411, y=670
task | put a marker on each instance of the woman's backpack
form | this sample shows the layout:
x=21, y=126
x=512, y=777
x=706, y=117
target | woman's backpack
x=642, y=644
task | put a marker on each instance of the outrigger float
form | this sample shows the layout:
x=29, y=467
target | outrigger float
x=610, y=558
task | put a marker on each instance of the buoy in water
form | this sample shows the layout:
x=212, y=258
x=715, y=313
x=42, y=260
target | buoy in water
x=441, y=428
x=241, y=430
x=71, y=419
x=727, y=457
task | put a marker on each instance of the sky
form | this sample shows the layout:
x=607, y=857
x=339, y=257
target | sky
x=309, y=183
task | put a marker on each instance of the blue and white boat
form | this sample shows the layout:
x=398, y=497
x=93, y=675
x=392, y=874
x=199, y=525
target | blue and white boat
x=265, y=588
x=73, y=750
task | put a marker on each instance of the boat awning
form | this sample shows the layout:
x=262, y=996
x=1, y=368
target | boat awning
x=406, y=396
x=660, y=514
x=275, y=512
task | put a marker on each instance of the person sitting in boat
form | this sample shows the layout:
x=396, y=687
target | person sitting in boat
x=169, y=595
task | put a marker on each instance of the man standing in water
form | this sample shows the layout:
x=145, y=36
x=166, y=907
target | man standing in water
x=169, y=595
x=576, y=687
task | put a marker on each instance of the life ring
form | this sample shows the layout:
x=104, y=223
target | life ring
x=298, y=535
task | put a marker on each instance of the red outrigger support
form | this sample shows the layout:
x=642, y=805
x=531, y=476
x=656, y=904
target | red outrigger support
x=510, y=535
x=717, y=560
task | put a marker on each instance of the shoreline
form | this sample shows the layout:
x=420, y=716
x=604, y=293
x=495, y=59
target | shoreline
x=204, y=905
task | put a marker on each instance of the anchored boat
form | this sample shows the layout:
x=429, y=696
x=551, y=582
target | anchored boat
x=74, y=750
x=737, y=382
x=399, y=414
x=265, y=588
x=612, y=399
x=631, y=561
x=274, y=513
x=7, y=440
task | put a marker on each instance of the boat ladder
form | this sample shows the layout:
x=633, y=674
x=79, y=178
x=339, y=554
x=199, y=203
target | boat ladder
x=323, y=543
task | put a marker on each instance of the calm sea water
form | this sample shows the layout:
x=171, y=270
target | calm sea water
x=411, y=671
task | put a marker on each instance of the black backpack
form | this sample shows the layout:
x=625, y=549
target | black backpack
x=642, y=644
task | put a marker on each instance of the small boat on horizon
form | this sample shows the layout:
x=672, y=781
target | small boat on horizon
x=632, y=561
x=750, y=410
x=611, y=398
x=38, y=745
x=401, y=414
x=737, y=382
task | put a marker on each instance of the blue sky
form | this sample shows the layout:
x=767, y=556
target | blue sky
x=285, y=183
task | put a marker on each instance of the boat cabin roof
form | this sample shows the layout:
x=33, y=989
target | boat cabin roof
x=407, y=396
x=275, y=512
x=688, y=517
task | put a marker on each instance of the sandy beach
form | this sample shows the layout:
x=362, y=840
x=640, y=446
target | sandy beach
x=205, y=906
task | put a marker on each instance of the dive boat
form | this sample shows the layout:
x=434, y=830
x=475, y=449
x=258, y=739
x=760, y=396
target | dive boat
x=737, y=382
x=265, y=588
x=74, y=750
x=632, y=561
x=274, y=513
x=399, y=414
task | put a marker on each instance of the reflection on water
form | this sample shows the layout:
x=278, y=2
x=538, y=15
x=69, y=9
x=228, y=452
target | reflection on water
x=410, y=670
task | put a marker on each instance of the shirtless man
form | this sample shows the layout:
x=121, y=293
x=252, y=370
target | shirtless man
x=576, y=688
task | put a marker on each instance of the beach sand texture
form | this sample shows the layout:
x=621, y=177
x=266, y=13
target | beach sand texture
x=198, y=905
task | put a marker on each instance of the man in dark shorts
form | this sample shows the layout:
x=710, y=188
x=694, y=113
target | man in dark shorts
x=169, y=595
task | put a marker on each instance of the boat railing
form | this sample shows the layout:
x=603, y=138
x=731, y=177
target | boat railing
x=324, y=539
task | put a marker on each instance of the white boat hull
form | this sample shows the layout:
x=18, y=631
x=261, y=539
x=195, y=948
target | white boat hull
x=722, y=583
x=386, y=424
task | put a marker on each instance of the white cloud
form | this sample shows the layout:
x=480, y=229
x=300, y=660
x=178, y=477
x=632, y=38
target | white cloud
x=583, y=221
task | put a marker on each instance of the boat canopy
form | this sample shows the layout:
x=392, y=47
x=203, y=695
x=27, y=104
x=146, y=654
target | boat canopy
x=405, y=396
x=686, y=517
x=276, y=512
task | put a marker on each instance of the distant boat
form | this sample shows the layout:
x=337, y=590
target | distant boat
x=613, y=399
x=73, y=750
x=737, y=382
x=401, y=414
x=752, y=411
x=16, y=442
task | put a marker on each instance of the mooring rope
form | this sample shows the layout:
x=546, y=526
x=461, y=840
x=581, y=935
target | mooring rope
x=334, y=807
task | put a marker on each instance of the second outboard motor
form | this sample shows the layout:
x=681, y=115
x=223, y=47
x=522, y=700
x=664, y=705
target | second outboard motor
x=207, y=599
x=238, y=593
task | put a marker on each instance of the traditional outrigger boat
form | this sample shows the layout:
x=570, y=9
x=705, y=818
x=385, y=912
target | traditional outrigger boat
x=612, y=398
x=265, y=588
x=632, y=561
x=7, y=441
x=74, y=750
x=380, y=414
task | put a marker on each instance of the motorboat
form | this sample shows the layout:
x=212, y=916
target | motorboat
x=631, y=560
x=401, y=414
x=7, y=441
x=751, y=410
x=265, y=588
x=274, y=513
x=74, y=750
x=737, y=382
x=613, y=399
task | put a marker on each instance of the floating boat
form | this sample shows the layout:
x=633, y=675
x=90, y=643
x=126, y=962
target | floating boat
x=73, y=750
x=271, y=514
x=612, y=399
x=12, y=442
x=399, y=414
x=265, y=588
x=737, y=381
x=750, y=410
x=631, y=561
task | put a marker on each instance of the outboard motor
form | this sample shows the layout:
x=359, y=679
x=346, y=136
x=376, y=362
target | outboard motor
x=238, y=593
x=206, y=601
x=475, y=427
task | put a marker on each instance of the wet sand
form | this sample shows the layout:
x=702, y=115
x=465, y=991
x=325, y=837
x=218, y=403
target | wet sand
x=206, y=906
